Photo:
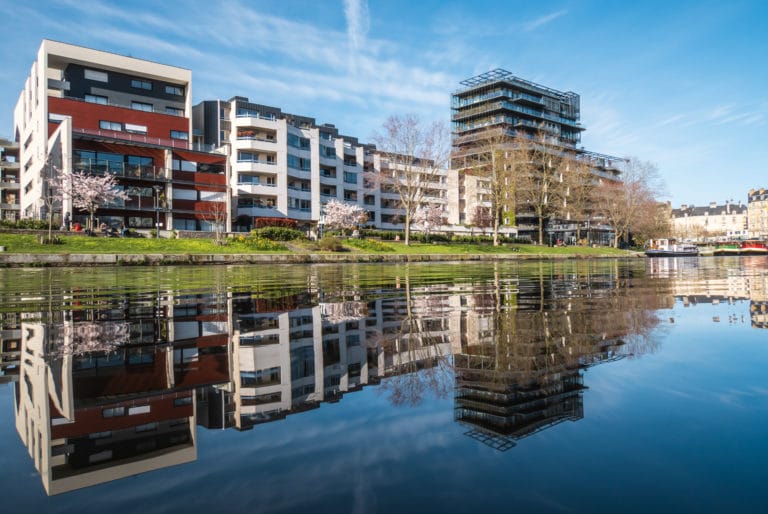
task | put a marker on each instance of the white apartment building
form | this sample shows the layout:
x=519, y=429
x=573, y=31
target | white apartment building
x=713, y=221
x=288, y=166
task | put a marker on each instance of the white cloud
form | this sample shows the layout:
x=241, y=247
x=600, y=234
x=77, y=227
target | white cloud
x=358, y=22
x=543, y=20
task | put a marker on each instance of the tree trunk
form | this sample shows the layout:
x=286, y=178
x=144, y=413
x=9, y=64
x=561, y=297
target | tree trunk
x=495, y=231
x=407, y=228
x=541, y=230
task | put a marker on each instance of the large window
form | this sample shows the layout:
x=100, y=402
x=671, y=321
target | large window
x=141, y=106
x=110, y=125
x=96, y=99
x=141, y=84
x=298, y=142
x=99, y=76
x=300, y=163
x=174, y=90
x=179, y=134
x=174, y=111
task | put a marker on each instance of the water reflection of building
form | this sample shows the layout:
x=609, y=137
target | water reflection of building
x=118, y=389
x=744, y=280
x=523, y=373
x=90, y=411
x=10, y=347
x=290, y=361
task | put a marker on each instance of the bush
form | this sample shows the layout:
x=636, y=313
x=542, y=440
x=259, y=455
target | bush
x=370, y=245
x=330, y=244
x=279, y=233
x=275, y=222
x=387, y=235
x=28, y=224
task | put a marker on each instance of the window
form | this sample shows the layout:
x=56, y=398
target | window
x=141, y=106
x=178, y=134
x=327, y=151
x=174, y=90
x=96, y=99
x=99, y=76
x=350, y=178
x=180, y=402
x=175, y=111
x=110, y=125
x=113, y=412
x=141, y=84
x=298, y=142
x=299, y=162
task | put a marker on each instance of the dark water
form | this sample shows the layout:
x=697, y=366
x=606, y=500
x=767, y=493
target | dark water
x=595, y=386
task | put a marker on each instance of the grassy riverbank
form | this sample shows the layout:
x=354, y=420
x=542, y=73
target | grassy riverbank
x=77, y=244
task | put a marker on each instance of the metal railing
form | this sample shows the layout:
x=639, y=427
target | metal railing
x=134, y=138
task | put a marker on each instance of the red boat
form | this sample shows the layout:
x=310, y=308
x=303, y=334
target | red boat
x=753, y=248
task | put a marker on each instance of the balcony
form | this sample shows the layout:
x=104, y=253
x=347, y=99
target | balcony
x=257, y=189
x=120, y=170
x=259, y=211
x=133, y=138
x=301, y=193
x=256, y=166
x=256, y=120
x=256, y=143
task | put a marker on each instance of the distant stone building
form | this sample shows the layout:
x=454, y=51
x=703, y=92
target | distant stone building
x=757, y=213
x=713, y=221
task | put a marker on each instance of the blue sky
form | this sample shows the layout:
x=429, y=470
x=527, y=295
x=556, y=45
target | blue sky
x=683, y=84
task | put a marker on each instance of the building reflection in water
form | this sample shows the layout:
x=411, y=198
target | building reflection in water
x=744, y=280
x=119, y=388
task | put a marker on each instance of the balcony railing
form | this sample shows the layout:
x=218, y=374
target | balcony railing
x=134, y=138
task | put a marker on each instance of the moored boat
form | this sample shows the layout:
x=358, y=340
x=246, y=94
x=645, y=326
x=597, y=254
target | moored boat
x=670, y=248
x=753, y=247
x=729, y=248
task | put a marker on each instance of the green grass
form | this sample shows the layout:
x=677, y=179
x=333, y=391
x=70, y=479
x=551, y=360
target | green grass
x=24, y=243
x=70, y=244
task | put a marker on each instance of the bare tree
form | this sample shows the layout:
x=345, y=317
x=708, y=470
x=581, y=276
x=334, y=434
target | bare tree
x=216, y=215
x=413, y=158
x=538, y=181
x=494, y=161
x=482, y=217
x=89, y=192
x=53, y=192
x=580, y=185
x=626, y=205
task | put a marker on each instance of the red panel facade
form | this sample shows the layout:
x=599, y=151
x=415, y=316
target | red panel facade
x=87, y=116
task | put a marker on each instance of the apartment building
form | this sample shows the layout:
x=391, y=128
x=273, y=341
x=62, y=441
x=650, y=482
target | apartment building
x=288, y=166
x=728, y=220
x=757, y=213
x=9, y=180
x=497, y=104
x=98, y=112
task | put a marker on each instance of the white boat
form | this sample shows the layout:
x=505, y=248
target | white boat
x=670, y=248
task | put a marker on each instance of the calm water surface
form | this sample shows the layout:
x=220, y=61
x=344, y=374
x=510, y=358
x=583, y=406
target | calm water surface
x=595, y=386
